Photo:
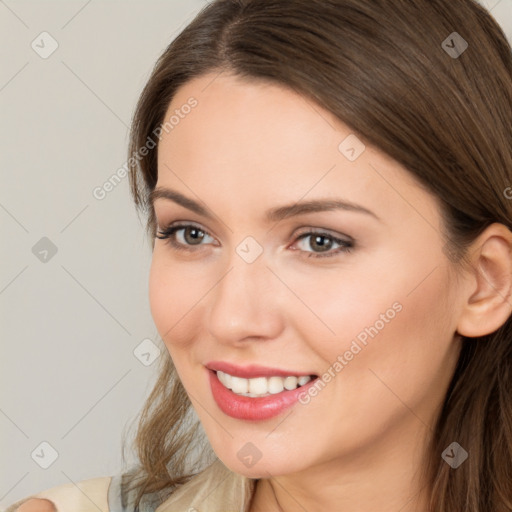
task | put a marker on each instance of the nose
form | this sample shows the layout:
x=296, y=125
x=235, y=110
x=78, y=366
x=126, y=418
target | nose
x=247, y=303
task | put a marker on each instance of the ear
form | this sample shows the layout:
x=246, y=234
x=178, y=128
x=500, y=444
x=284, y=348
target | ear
x=488, y=304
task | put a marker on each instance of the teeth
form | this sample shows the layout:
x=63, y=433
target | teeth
x=303, y=380
x=275, y=385
x=239, y=385
x=290, y=382
x=261, y=386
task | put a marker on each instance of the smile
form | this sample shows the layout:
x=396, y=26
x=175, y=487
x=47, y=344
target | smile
x=261, y=386
x=257, y=398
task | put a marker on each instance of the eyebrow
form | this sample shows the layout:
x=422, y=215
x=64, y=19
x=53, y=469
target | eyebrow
x=272, y=215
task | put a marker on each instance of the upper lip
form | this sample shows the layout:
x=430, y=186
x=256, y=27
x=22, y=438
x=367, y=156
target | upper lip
x=252, y=371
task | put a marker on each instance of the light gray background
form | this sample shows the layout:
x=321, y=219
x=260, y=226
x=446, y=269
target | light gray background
x=69, y=325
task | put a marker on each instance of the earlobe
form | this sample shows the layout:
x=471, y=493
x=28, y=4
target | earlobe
x=488, y=303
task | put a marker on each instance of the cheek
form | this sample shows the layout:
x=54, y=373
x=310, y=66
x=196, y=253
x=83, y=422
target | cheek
x=346, y=303
x=392, y=321
x=161, y=300
x=173, y=292
x=407, y=356
x=383, y=297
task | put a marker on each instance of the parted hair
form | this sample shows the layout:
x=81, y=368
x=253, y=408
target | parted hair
x=387, y=69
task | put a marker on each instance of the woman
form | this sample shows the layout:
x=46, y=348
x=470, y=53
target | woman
x=327, y=184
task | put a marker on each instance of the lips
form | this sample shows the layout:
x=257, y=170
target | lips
x=253, y=408
x=252, y=371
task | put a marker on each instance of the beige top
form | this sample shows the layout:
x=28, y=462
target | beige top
x=216, y=489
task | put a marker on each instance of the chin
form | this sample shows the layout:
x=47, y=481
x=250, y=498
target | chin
x=259, y=468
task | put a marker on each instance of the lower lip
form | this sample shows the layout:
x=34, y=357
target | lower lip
x=247, y=408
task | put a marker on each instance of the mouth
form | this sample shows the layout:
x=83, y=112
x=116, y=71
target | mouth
x=262, y=386
x=257, y=398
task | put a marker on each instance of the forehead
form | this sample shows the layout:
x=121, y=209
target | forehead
x=269, y=143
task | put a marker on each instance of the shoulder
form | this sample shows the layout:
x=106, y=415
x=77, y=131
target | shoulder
x=85, y=496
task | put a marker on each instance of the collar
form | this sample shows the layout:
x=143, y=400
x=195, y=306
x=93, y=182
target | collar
x=215, y=489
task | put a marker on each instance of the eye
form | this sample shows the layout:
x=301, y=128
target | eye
x=184, y=237
x=324, y=242
x=192, y=235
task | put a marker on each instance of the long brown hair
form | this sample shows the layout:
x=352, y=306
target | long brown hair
x=398, y=76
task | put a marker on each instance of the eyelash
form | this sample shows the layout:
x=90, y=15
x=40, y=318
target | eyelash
x=167, y=234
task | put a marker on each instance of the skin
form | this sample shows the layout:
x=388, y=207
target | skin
x=37, y=505
x=359, y=444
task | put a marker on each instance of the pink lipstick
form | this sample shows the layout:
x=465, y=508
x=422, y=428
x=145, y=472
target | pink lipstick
x=269, y=382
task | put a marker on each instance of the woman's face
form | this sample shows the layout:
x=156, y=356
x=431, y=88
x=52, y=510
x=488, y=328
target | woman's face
x=361, y=297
